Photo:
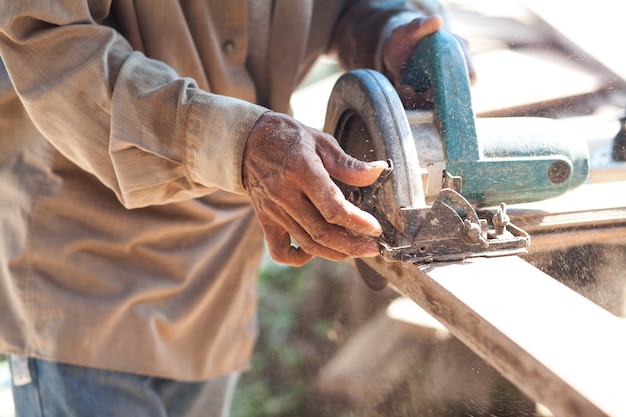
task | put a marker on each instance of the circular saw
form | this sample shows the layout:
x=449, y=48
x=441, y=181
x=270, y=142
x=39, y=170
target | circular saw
x=430, y=201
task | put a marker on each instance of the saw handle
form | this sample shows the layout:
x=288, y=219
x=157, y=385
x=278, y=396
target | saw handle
x=529, y=171
x=438, y=63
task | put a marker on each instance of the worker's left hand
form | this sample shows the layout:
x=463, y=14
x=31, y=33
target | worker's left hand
x=399, y=47
x=287, y=169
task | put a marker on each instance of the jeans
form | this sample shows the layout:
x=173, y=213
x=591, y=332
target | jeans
x=42, y=388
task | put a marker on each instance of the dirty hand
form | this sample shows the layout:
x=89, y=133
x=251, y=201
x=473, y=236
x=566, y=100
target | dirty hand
x=399, y=47
x=287, y=170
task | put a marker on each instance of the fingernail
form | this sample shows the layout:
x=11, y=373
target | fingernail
x=370, y=249
x=379, y=164
x=376, y=231
x=376, y=228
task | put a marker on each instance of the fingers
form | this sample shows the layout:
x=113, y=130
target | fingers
x=294, y=196
x=403, y=40
x=345, y=168
x=316, y=237
x=308, y=169
x=326, y=197
x=401, y=44
x=422, y=27
x=280, y=247
x=336, y=223
x=320, y=214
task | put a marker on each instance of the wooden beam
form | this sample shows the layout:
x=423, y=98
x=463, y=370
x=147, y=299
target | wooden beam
x=591, y=214
x=556, y=346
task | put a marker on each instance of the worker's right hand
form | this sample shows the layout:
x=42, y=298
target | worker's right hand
x=398, y=49
x=287, y=170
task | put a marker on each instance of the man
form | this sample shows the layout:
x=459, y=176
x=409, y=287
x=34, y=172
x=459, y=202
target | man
x=141, y=167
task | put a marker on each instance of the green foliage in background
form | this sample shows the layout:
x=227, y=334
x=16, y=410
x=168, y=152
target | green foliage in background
x=295, y=338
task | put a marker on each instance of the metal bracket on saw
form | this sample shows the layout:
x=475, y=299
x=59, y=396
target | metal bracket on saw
x=448, y=230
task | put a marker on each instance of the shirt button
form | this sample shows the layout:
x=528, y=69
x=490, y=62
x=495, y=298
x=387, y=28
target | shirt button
x=228, y=47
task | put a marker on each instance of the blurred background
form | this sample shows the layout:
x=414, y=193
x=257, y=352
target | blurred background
x=328, y=346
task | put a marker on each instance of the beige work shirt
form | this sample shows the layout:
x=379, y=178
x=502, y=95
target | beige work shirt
x=127, y=241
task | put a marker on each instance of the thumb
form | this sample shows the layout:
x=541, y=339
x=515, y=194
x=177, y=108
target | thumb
x=350, y=170
x=366, y=175
x=429, y=25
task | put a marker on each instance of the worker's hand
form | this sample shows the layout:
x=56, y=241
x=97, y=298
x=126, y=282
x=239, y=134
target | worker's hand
x=398, y=49
x=287, y=170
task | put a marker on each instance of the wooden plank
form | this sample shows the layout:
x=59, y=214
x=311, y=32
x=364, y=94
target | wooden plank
x=559, y=348
x=591, y=214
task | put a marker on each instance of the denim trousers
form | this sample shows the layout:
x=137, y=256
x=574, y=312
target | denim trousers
x=51, y=389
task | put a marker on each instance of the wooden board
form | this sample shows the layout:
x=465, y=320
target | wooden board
x=559, y=348
x=591, y=214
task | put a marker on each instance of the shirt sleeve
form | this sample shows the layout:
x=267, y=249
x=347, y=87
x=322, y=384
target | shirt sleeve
x=150, y=135
x=365, y=25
